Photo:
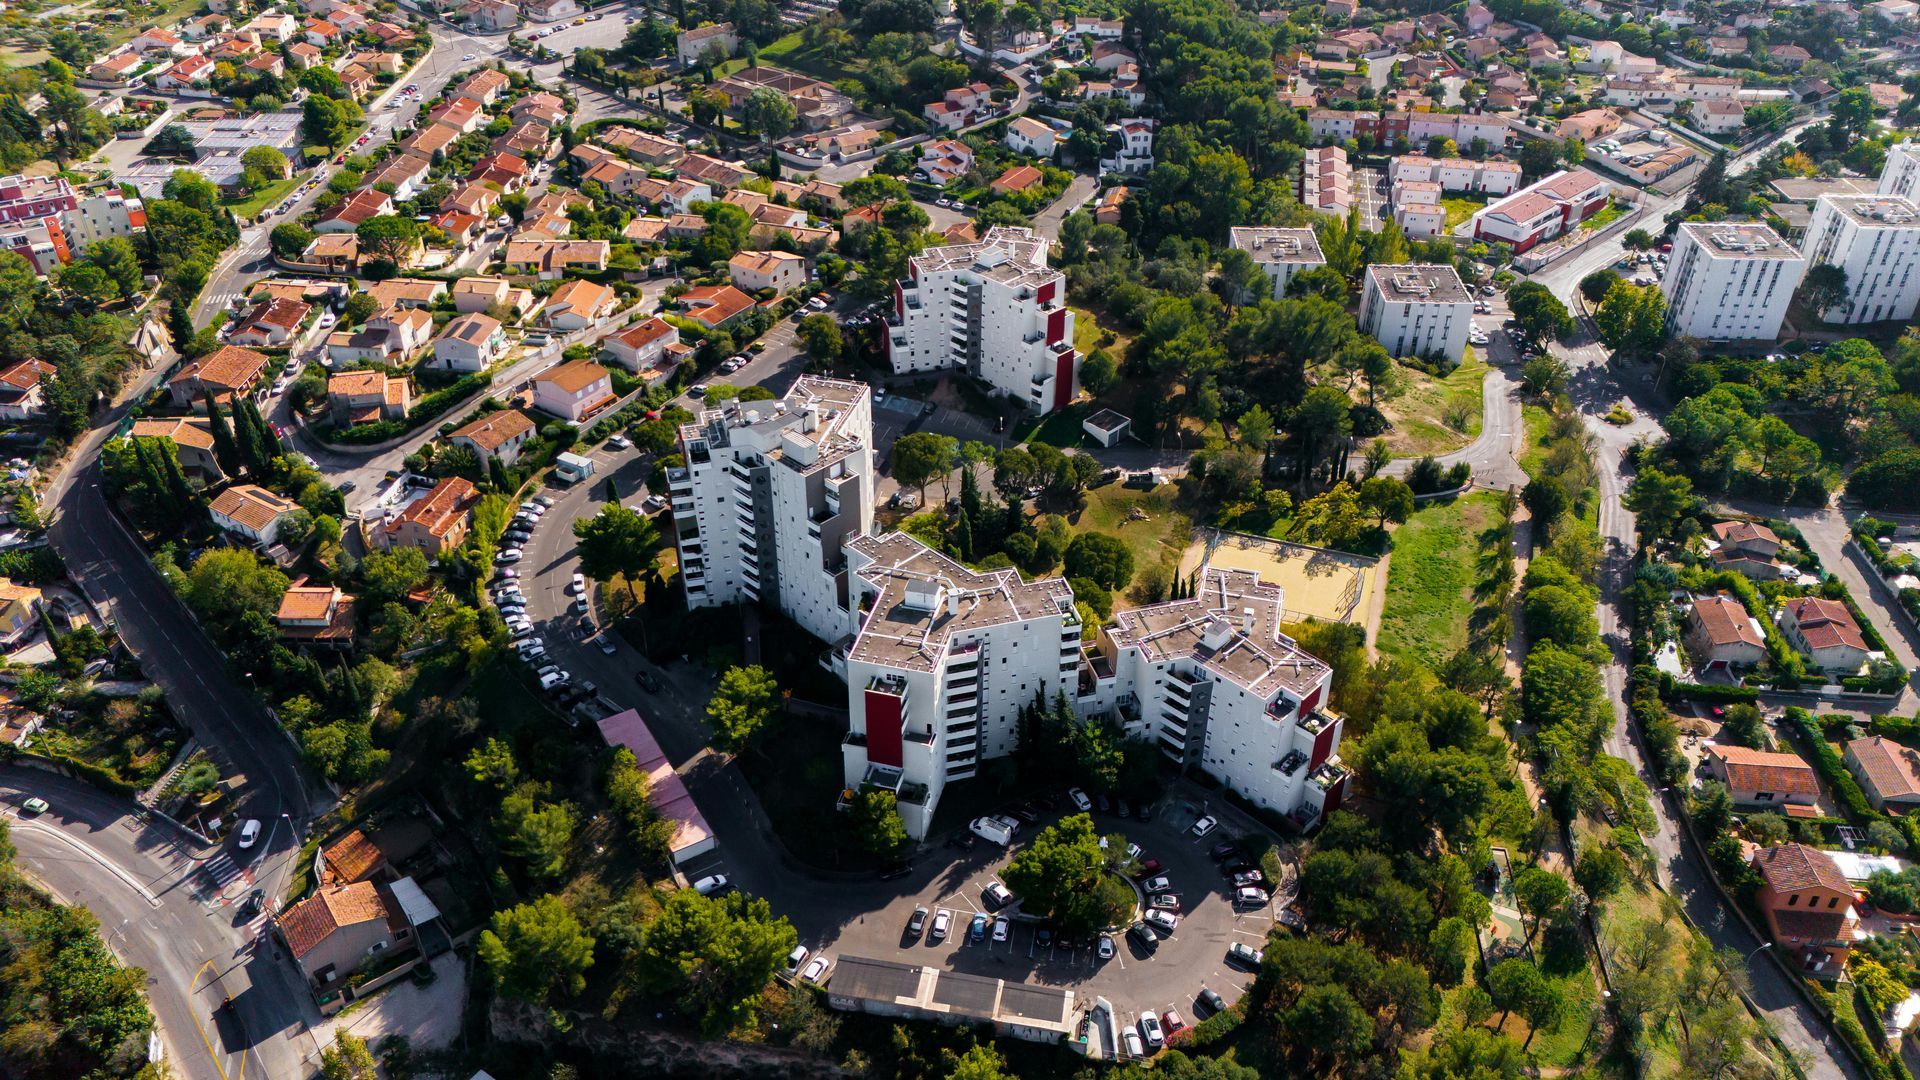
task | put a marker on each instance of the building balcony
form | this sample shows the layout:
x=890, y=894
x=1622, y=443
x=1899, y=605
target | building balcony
x=1329, y=773
x=679, y=478
x=1292, y=763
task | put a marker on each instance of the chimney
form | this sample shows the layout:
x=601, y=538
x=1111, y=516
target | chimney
x=1246, y=621
x=811, y=422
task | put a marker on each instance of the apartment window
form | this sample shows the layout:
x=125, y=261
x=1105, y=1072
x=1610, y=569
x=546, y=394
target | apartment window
x=1832, y=900
x=1793, y=899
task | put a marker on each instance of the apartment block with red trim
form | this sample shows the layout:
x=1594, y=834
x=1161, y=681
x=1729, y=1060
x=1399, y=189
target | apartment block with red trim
x=942, y=660
x=1541, y=211
x=770, y=493
x=994, y=310
x=1220, y=689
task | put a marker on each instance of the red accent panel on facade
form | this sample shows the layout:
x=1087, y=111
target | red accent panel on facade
x=1044, y=295
x=1323, y=745
x=899, y=300
x=883, y=729
x=1063, y=378
x=1056, y=325
x=1312, y=702
x=1335, y=795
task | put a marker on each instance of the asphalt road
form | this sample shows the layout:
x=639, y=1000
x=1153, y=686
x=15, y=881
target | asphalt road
x=1680, y=865
x=1492, y=454
x=161, y=910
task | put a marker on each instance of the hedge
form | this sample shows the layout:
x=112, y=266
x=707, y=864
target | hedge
x=1657, y=728
x=1827, y=762
x=98, y=775
x=1669, y=689
x=425, y=411
x=32, y=566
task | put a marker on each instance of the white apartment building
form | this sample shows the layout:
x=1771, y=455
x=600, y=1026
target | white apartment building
x=942, y=661
x=994, y=310
x=1876, y=240
x=1326, y=181
x=1214, y=683
x=770, y=492
x=1456, y=174
x=1901, y=173
x=1133, y=142
x=101, y=217
x=1417, y=309
x=1282, y=253
x=1729, y=281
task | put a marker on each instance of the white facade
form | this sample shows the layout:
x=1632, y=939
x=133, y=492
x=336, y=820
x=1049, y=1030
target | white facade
x=1135, y=154
x=992, y=309
x=942, y=663
x=1729, y=281
x=101, y=217
x=770, y=493
x=1456, y=174
x=1876, y=240
x=1901, y=173
x=1029, y=136
x=1217, y=687
x=1417, y=310
x=1282, y=253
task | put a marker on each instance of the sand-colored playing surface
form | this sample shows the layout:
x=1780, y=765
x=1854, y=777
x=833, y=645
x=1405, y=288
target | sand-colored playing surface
x=1331, y=586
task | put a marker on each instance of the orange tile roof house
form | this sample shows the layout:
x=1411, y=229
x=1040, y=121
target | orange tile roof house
x=461, y=114
x=1019, y=178
x=1824, y=630
x=551, y=258
x=192, y=439
x=497, y=434
x=353, y=210
x=366, y=397
x=1757, y=778
x=480, y=292
x=223, y=372
x=407, y=292
x=485, y=86
x=642, y=345
x=468, y=198
x=319, y=615
x=1888, y=772
x=1721, y=635
x=434, y=522
x=715, y=306
x=1808, y=907
x=353, y=857
x=781, y=271
x=274, y=323
x=339, y=928
x=21, y=394
x=430, y=140
x=573, y=391
x=577, y=305
x=251, y=512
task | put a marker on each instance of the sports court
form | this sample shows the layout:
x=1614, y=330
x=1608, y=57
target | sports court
x=1331, y=586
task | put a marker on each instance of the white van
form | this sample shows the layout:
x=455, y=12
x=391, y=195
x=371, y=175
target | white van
x=1000, y=830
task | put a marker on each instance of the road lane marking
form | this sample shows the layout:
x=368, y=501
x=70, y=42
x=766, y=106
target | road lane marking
x=104, y=863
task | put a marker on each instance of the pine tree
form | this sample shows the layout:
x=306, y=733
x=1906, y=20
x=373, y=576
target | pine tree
x=225, y=449
x=963, y=536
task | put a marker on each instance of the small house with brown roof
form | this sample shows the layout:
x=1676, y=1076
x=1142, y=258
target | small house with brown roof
x=496, y=434
x=1017, y=179
x=318, y=615
x=23, y=389
x=781, y=271
x=353, y=210
x=252, y=513
x=192, y=439
x=714, y=306
x=224, y=372
x=367, y=397
x=1722, y=635
x=483, y=293
x=469, y=343
x=336, y=930
x=1746, y=546
x=406, y=292
x=1808, y=907
x=1825, y=632
x=275, y=323
x=643, y=345
x=1757, y=778
x=550, y=259
x=573, y=391
x=353, y=857
x=435, y=522
x=1889, y=773
x=577, y=305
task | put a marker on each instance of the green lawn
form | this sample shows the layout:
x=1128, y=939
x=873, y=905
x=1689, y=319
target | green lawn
x=1537, y=421
x=1162, y=536
x=791, y=52
x=1430, y=578
x=265, y=197
x=1461, y=207
x=1424, y=407
x=1608, y=214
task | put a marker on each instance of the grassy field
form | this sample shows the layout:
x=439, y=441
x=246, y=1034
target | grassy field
x=1537, y=422
x=1420, y=414
x=1087, y=330
x=1161, y=537
x=1459, y=208
x=791, y=52
x=1608, y=214
x=1430, y=578
x=265, y=197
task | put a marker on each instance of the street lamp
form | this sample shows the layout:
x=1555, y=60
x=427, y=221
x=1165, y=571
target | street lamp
x=1757, y=952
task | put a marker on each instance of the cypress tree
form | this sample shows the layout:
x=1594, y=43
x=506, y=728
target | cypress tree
x=225, y=449
x=270, y=447
x=177, y=486
x=963, y=536
x=970, y=502
x=1016, y=516
x=497, y=473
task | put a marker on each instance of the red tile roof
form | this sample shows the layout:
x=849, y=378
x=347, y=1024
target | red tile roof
x=1791, y=867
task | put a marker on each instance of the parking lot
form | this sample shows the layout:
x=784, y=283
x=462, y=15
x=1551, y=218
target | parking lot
x=1136, y=980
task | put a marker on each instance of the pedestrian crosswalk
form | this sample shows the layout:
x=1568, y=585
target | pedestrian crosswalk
x=223, y=870
x=217, y=301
